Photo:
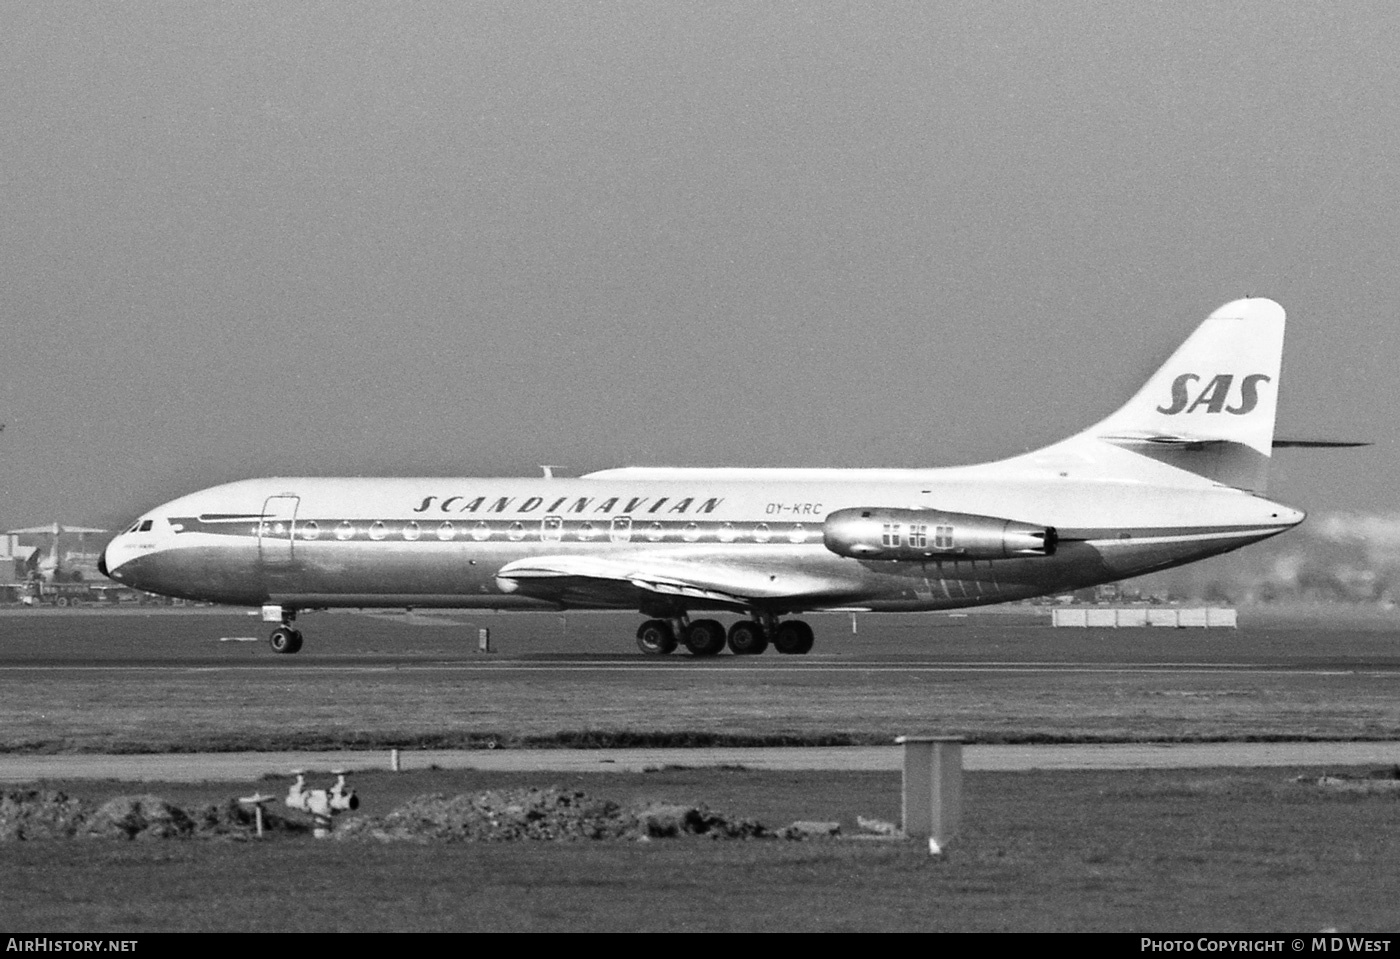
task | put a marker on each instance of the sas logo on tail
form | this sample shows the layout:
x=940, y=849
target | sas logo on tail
x=1214, y=395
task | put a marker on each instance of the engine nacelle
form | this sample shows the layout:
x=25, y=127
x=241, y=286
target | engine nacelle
x=924, y=534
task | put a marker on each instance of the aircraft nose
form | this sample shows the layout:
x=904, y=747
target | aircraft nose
x=102, y=564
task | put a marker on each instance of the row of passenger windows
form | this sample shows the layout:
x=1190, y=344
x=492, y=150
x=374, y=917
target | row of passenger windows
x=550, y=530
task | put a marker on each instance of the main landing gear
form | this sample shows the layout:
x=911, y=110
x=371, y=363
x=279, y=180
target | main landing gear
x=706, y=637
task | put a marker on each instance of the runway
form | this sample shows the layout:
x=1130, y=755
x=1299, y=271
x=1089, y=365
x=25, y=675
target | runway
x=686, y=667
x=151, y=697
x=248, y=766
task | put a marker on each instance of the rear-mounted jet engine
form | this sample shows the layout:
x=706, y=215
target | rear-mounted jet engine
x=919, y=534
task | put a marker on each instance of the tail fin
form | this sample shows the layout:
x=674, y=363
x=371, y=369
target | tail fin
x=1209, y=410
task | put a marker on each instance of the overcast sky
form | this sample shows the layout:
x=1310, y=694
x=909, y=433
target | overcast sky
x=462, y=238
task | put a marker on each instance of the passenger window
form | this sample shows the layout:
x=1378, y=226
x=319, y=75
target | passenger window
x=445, y=532
x=346, y=530
x=481, y=532
x=378, y=530
x=411, y=532
x=761, y=533
x=310, y=530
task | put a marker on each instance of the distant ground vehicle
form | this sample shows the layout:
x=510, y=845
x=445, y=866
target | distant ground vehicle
x=39, y=593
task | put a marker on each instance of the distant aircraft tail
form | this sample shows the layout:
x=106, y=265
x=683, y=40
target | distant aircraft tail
x=1209, y=410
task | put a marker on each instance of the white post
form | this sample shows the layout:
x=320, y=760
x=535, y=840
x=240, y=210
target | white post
x=393, y=760
x=932, y=789
x=483, y=640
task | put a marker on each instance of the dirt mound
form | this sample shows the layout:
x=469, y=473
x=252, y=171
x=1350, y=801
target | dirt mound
x=34, y=814
x=138, y=817
x=541, y=814
x=508, y=815
x=39, y=814
x=1384, y=780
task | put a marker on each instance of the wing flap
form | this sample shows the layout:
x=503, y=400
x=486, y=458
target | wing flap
x=550, y=576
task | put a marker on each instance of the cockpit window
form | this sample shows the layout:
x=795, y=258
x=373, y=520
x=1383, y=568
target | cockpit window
x=145, y=526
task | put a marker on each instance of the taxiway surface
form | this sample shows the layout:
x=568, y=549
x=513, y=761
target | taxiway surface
x=241, y=766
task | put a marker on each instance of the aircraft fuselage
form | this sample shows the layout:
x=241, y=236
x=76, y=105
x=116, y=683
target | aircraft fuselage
x=318, y=542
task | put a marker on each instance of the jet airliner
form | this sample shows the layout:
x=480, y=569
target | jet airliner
x=1177, y=474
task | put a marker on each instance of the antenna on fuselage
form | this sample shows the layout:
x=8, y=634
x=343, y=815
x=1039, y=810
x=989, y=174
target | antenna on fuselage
x=549, y=470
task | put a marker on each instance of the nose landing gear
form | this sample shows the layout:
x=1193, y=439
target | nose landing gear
x=286, y=638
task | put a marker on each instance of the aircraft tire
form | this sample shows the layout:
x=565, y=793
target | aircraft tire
x=793, y=637
x=656, y=638
x=61, y=601
x=285, y=640
x=746, y=638
x=704, y=637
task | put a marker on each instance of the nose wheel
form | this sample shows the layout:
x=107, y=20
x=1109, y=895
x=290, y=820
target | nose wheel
x=285, y=640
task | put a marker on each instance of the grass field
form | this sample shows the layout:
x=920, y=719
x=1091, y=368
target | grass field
x=1199, y=851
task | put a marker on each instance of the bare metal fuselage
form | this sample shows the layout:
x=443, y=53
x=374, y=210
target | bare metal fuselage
x=720, y=535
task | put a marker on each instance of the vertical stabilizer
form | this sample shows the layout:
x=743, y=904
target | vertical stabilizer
x=1209, y=410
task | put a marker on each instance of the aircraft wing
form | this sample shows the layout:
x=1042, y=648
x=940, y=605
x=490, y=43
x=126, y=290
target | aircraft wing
x=32, y=530
x=620, y=579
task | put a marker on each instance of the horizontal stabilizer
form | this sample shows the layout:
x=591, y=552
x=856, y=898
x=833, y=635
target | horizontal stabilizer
x=52, y=528
x=1317, y=444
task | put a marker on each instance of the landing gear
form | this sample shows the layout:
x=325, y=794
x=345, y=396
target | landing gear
x=284, y=639
x=655, y=637
x=793, y=637
x=747, y=638
x=704, y=637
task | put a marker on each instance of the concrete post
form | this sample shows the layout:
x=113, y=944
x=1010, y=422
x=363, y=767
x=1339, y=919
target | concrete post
x=483, y=640
x=932, y=789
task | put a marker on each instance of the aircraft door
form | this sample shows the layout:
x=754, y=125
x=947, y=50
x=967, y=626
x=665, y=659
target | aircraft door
x=277, y=530
x=621, y=530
